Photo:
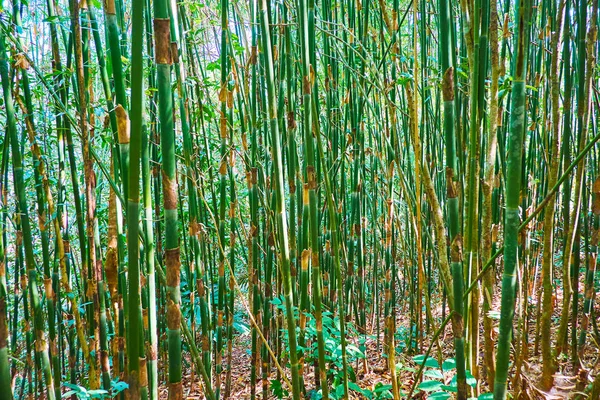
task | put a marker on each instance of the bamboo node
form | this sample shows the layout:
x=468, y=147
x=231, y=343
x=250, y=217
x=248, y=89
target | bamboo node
x=291, y=121
x=3, y=325
x=162, y=40
x=175, y=52
x=223, y=126
x=169, y=191
x=109, y=5
x=305, y=259
x=173, y=315
x=448, y=84
x=173, y=263
x=312, y=180
x=123, y=127
x=134, y=385
x=306, y=87
x=143, y=372
x=456, y=249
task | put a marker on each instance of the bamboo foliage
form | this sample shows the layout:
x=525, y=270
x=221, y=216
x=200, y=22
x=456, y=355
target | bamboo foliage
x=306, y=193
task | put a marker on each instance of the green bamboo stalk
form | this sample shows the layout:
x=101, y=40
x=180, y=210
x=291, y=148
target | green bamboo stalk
x=280, y=212
x=39, y=173
x=5, y=373
x=38, y=321
x=452, y=200
x=311, y=182
x=336, y=251
x=163, y=58
x=513, y=189
x=488, y=188
x=112, y=27
x=254, y=255
x=103, y=325
x=586, y=61
x=61, y=123
x=148, y=224
x=591, y=267
x=548, y=255
x=85, y=233
x=223, y=169
x=136, y=360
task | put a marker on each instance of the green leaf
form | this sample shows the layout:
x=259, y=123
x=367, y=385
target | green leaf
x=354, y=386
x=404, y=78
x=212, y=66
x=430, y=386
x=471, y=380
x=241, y=327
x=486, y=396
x=430, y=362
x=52, y=18
x=276, y=301
x=278, y=389
x=354, y=351
x=452, y=389
x=381, y=387
x=119, y=386
x=434, y=373
x=439, y=396
x=77, y=388
x=97, y=393
x=449, y=364
x=339, y=391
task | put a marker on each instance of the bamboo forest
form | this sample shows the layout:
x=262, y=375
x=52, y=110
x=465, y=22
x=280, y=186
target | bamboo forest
x=299, y=199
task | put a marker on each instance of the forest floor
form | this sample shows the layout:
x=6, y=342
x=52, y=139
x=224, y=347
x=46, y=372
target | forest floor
x=372, y=370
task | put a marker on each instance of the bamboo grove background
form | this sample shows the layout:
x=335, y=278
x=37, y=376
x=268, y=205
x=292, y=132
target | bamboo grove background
x=316, y=173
